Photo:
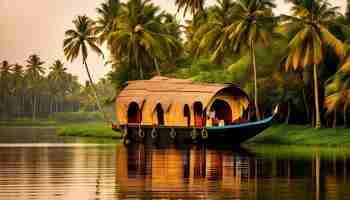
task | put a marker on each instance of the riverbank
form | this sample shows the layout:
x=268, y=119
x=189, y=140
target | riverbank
x=55, y=119
x=303, y=135
x=97, y=130
x=77, y=129
x=275, y=135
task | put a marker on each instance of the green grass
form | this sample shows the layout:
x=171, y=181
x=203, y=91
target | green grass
x=298, y=151
x=303, y=135
x=97, y=130
x=55, y=119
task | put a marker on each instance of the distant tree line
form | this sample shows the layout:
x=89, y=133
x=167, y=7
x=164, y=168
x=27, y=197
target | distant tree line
x=35, y=91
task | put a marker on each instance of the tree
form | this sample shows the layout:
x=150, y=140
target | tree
x=34, y=73
x=195, y=6
x=141, y=38
x=5, y=76
x=58, y=78
x=306, y=47
x=78, y=40
x=212, y=31
x=18, y=86
x=338, y=94
x=107, y=18
x=252, y=23
x=191, y=32
x=347, y=12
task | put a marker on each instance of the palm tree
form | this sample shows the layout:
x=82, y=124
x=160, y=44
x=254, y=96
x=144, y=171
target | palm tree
x=78, y=40
x=5, y=75
x=34, y=73
x=191, y=33
x=58, y=78
x=58, y=71
x=141, y=37
x=347, y=12
x=5, y=72
x=195, y=6
x=310, y=19
x=252, y=23
x=107, y=18
x=18, y=83
x=338, y=94
x=213, y=30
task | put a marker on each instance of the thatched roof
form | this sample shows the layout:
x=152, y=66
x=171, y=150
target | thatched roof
x=168, y=90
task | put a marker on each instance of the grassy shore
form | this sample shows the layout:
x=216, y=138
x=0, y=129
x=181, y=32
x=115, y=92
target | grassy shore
x=298, y=151
x=303, y=135
x=55, y=119
x=97, y=130
x=277, y=134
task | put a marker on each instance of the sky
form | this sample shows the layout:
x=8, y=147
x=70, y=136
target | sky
x=38, y=26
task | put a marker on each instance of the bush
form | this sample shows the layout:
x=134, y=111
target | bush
x=98, y=130
x=76, y=117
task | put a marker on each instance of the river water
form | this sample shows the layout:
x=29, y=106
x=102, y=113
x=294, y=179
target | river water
x=36, y=164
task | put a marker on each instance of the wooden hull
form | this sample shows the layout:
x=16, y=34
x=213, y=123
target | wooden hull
x=231, y=134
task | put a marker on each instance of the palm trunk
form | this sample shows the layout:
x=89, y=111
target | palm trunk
x=313, y=117
x=156, y=66
x=317, y=106
x=51, y=105
x=335, y=118
x=95, y=93
x=139, y=68
x=345, y=114
x=34, y=108
x=347, y=12
x=306, y=105
x=288, y=113
x=256, y=102
x=22, y=105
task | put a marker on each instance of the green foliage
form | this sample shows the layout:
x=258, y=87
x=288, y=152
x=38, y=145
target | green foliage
x=79, y=39
x=97, y=130
x=76, y=117
x=303, y=135
x=28, y=92
x=228, y=42
x=142, y=38
x=300, y=152
x=194, y=6
x=119, y=75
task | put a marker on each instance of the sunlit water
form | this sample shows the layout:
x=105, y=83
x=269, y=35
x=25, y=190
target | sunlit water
x=36, y=164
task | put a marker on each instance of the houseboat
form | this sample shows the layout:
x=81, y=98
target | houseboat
x=166, y=109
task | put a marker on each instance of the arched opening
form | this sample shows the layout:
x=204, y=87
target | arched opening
x=198, y=114
x=134, y=113
x=187, y=115
x=160, y=114
x=221, y=112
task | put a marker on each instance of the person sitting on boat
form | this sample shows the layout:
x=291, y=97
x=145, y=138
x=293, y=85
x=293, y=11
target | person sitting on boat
x=213, y=121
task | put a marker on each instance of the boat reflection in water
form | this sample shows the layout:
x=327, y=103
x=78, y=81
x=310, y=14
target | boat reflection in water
x=87, y=171
x=198, y=173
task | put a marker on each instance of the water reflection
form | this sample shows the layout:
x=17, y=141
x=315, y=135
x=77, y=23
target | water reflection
x=63, y=170
x=198, y=173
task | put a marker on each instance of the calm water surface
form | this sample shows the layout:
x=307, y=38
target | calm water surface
x=36, y=164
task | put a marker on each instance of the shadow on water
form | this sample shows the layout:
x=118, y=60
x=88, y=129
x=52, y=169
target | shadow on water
x=114, y=171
